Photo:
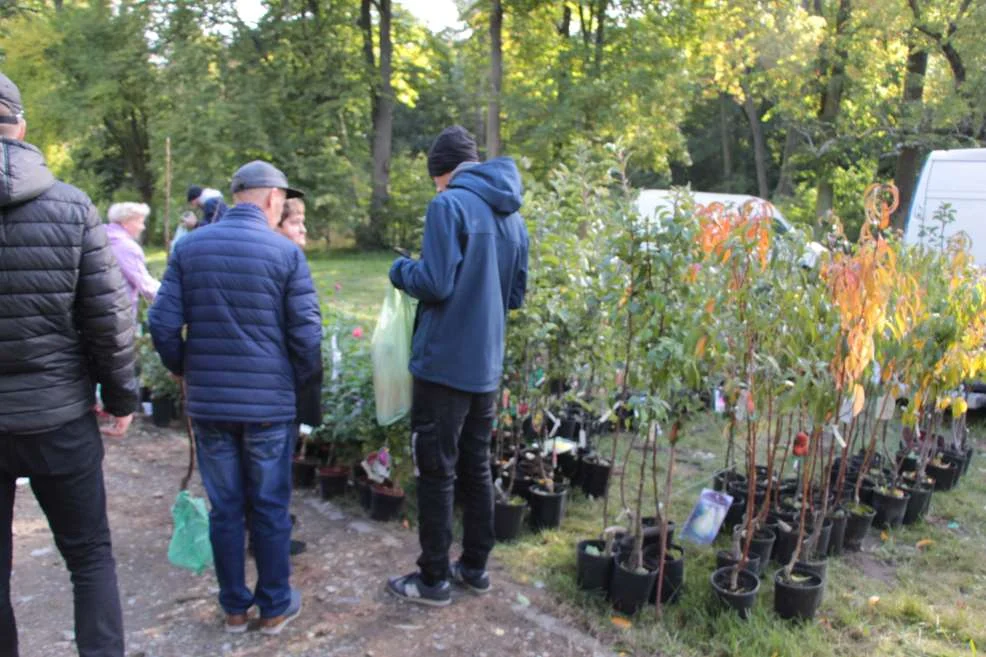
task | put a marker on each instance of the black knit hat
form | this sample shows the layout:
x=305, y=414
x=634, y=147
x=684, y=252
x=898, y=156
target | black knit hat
x=194, y=191
x=453, y=147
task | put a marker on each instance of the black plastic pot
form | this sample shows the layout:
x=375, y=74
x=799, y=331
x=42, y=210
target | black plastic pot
x=303, y=472
x=944, y=476
x=724, y=559
x=889, y=509
x=816, y=565
x=162, y=411
x=522, y=487
x=674, y=572
x=917, y=503
x=857, y=524
x=784, y=546
x=547, y=509
x=741, y=600
x=629, y=591
x=363, y=491
x=798, y=599
x=909, y=463
x=838, y=534
x=595, y=477
x=592, y=572
x=507, y=520
x=737, y=510
x=722, y=478
x=568, y=464
x=385, y=503
x=824, y=538
x=969, y=453
x=332, y=481
x=763, y=546
x=958, y=461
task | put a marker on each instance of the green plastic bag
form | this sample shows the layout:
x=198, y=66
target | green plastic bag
x=190, y=546
x=391, y=356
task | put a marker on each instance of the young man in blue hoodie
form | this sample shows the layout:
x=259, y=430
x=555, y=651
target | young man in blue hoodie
x=472, y=270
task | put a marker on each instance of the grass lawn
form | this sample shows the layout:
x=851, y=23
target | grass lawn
x=892, y=599
x=348, y=281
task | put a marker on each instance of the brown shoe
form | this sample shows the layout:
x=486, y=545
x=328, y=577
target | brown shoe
x=273, y=626
x=237, y=623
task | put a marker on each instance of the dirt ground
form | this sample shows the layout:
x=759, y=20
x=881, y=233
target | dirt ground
x=170, y=612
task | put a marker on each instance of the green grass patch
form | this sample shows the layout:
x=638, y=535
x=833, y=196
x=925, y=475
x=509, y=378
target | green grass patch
x=892, y=600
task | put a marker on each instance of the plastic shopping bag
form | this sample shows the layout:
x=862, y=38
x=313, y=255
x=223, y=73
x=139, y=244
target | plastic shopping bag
x=190, y=546
x=391, y=355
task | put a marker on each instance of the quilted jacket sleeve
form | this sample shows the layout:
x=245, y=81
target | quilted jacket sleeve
x=105, y=320
x=304, y=325
x=166, y=317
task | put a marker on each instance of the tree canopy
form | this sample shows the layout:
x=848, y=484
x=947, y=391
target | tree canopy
x=802, y=102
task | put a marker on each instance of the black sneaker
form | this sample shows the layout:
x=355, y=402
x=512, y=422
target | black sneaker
x=478, y=581
x=413, y=589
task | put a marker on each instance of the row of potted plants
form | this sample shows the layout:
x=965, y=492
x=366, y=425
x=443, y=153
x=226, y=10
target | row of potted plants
x=808, y=364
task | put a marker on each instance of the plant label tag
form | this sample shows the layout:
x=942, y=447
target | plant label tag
x=885, y=407
x=719, y=403
x=845, y=413
x=707, y=516
x=305, y=430
x=583, y=439
x=555, y=423
x=605, y=416
x=838, y=436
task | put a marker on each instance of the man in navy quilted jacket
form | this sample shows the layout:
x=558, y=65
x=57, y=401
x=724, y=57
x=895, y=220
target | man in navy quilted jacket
x=244, y=297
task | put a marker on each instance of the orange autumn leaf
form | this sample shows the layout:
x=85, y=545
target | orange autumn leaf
x=700, y=346
x=620, y=622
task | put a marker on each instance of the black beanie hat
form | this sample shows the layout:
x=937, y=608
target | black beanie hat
x=453, y=147
x=194, y=191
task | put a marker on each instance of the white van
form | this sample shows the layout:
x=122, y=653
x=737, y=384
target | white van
x=958, y=178
x=653, y=201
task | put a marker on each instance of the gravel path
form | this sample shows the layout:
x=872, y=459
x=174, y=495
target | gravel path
x=169, y=612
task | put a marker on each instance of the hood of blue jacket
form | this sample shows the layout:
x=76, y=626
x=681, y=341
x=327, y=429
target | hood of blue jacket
x=496, y=181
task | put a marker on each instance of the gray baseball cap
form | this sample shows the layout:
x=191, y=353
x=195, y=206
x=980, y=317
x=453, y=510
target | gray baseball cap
x=260, y=174
x=10, y=95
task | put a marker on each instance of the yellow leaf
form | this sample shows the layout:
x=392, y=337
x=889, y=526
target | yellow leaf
x=874, y=599
x=959, y=407
x=858, y=400
x=884, y=536
x=923, y=543
x=620, y=622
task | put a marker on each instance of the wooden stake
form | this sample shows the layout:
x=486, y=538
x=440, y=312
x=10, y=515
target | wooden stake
x=167, y=194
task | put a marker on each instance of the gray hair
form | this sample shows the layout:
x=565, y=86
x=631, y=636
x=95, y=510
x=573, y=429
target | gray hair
x=120, y=212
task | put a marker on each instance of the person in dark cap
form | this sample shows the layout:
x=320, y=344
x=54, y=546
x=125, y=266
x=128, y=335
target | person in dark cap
x=237, y=316
x=66, y=326
x=209, y=200
x=472, y=270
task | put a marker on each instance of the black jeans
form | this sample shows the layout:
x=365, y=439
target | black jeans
x=450, y=437
x=66, y=471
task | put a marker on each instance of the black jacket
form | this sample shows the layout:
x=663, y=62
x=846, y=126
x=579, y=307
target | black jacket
x=65, y=319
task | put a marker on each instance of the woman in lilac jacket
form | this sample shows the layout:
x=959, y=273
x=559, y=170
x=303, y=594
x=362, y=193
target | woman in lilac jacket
x=126, y=225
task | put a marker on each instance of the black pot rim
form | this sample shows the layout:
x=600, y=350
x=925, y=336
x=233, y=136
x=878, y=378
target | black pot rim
x=745, y=573
x=508, y=505
x=779, y=580
x=560, y=491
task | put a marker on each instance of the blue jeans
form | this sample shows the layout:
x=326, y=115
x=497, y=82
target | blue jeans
x=249, y=465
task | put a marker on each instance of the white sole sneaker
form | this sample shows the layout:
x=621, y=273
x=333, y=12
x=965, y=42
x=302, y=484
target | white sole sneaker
x=274, y=630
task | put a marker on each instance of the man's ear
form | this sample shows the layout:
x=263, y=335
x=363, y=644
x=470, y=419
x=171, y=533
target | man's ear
x=21, y=130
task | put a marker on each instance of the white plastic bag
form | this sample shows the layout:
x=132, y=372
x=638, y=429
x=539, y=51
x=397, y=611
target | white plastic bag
x=391, y=354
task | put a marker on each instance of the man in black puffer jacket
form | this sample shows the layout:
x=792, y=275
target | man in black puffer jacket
x=65, y=325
